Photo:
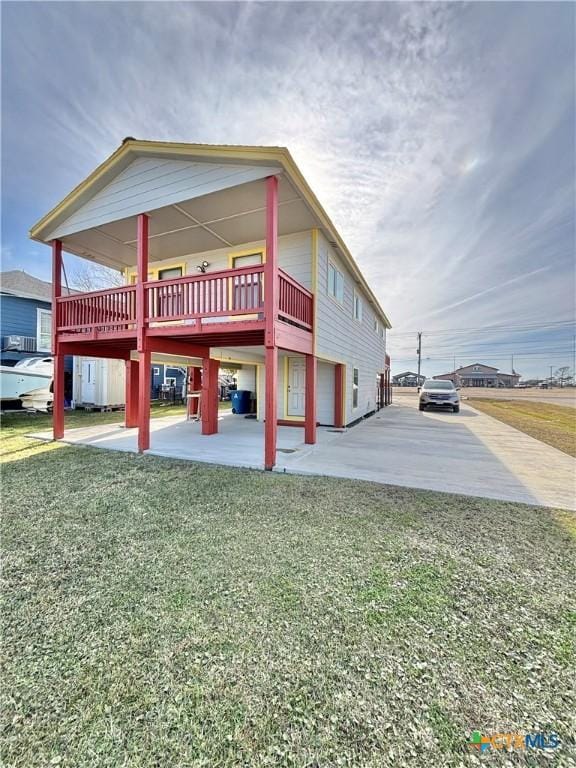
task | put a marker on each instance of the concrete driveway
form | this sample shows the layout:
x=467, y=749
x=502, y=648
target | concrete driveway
x=467, y=452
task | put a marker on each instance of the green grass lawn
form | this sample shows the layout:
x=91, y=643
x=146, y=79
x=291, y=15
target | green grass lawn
x=553, y=424
x=166, y=614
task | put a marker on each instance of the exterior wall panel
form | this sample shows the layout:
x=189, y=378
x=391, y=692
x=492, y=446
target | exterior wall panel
x=294, y=257
x=341, y=338
x=149, y=183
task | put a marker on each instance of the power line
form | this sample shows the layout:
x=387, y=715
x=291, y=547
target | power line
x=491, y=328
x=532, y=342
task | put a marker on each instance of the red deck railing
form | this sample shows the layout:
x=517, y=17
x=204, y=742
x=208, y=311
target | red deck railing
x=113, y=309
x=223, y=294
x=295, y=302
x=218, y=294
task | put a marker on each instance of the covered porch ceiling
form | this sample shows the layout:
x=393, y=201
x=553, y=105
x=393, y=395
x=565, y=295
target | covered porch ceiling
x=224, y=219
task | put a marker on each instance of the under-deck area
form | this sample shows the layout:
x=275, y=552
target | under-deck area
x=239, y=442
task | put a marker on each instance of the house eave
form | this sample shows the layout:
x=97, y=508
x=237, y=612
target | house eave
x=278, y=156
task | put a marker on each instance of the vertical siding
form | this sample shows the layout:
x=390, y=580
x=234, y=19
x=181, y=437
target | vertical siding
x=341, y=338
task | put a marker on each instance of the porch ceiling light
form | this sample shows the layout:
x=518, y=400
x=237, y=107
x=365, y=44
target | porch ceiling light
x=202, y=267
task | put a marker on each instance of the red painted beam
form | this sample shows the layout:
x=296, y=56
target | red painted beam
x=174, y=347
x=339, y=372
x=271, y=274
x=142, y=277
x=58, y=383
x=144, y=402
x=210, y=396
x=271, y=408
x=132, y=382
x=94, y=350
x=310, y=406
x=293, y=339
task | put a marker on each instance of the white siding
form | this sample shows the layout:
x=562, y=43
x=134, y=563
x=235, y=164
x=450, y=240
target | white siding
x=341, y=338
x=294, y=256
x=149, y=183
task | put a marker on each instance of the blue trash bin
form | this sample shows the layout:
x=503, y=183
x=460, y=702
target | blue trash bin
x=240, y=401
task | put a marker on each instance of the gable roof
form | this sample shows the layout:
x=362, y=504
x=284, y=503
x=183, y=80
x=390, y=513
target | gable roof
x=407, y=373
x=472, y=365
x=270, y=158
x=16, y=282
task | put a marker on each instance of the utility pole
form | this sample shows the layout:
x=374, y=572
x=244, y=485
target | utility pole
x=512, y=371
x=419, y=353
x=550, y=375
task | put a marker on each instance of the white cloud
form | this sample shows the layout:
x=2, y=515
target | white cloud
x=437, y=136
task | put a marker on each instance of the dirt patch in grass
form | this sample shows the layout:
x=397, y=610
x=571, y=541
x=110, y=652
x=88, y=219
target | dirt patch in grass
x=166, y=613
x=552, y=424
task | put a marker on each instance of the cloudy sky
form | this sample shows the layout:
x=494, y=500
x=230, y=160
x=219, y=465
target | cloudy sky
x=439, y=137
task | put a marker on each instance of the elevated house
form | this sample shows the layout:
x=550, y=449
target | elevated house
x=480, y=375
x=229, y=258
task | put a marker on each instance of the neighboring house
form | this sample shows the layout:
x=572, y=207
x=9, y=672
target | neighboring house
x=167, y=375
x=480, y=375
x=25, y=316
x=26, y=321
x=229, y=259
x=408, y=379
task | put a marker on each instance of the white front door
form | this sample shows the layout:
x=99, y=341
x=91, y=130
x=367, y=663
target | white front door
x=296, y=386
x=88, y=381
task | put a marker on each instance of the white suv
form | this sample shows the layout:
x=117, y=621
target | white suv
x=439, y=393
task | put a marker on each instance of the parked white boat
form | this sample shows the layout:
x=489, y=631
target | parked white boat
x=27, y=375
x=38, y=400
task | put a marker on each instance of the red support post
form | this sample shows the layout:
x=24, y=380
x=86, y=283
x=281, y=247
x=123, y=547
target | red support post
x=58, y=383
x=131, y=410
x=210, y=396
x=339, y=372
x=310, y=407
x=271, y=275
x=144, y=367
x=271, y=305
x=271, y=407
x=144, y=354
x=142, y=277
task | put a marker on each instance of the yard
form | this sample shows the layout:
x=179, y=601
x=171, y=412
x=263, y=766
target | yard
x=160, y=613
x=552, y=424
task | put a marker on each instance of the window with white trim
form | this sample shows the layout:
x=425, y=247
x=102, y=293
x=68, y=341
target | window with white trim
x=355, y=378
x=44, y=330
x=335, y=283
x=358, y=307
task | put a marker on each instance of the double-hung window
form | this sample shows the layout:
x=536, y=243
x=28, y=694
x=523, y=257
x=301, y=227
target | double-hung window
x=43, y=330
x=335, y=283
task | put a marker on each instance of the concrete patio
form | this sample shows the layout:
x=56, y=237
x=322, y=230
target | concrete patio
x=239, y=442
x=468, y=453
